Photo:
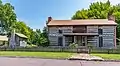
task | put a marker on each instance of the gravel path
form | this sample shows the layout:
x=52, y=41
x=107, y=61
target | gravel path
x=85, y=57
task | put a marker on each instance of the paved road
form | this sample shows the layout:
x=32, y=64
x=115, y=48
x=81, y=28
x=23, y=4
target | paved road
x=51, y=62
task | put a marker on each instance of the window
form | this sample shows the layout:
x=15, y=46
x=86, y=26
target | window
x=69, y=40
x=100, y=41
x=60, y=41
x=100, y=31
x=60, y=31
x=79, y=29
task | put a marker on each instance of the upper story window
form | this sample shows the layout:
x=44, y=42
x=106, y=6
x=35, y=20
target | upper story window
x=60, y=31
x=100, y=31
x=79, y=29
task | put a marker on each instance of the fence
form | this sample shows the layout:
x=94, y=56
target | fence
x=63, y=49
x=108, y=51
x=45, y=49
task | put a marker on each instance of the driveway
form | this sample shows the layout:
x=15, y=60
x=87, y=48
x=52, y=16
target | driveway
x=51, y=62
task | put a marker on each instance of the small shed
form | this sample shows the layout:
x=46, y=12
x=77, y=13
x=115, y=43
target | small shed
x=20, y=39
x=3, y=40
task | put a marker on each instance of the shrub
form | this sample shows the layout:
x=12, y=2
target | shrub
x=43, y=42
x=31, y=45
x=90, y=46
x=73, y=45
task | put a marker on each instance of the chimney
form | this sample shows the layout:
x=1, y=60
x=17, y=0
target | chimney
x=111, y=17
x=49, y=19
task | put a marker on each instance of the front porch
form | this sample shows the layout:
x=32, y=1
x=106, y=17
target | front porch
x=79, y=38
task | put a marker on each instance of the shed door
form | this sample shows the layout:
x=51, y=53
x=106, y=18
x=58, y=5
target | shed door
x=60, y=41
x=100, y=41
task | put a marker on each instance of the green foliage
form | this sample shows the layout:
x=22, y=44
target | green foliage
x=81, y=14
x=7, y=17
x=108, y=56
x=21, y=27
x=40, y=38
x=31, y=45
x=9, y=23
x=73, y=45
x=90, y=46
x=100, y=10
x=43, y=42
x=34, y=37
x=57, y=55
x=97, y=10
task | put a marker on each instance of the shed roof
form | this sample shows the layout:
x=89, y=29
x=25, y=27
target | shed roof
x=3, y=38
x=21, y=35
x=81, y=22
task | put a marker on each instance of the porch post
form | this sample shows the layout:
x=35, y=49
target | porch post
x=85, y=40
x=74, y=39
x=63, y=41
x=115, y=36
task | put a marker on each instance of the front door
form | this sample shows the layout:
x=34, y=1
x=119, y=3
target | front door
x=83, y=40
x=60, y=41
x=79, y=40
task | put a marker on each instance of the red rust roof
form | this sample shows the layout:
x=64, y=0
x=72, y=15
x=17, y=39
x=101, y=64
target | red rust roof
x=81, y=22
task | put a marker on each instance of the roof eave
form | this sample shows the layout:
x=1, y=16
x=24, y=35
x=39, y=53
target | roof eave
x=86, y=25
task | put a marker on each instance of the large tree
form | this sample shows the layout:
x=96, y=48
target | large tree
x=100, y=10
x=21, y=27
x=8, y=22
x=40, y=38
x=97, y=10
x=7, y=17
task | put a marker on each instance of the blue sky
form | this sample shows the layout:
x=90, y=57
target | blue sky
x=35, y=12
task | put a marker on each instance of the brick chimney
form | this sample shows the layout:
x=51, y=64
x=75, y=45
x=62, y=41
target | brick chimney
x=111, y=17
x=49, y=19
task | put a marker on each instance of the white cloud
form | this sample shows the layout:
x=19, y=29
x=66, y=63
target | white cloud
x=113, y=2
x=5, y=1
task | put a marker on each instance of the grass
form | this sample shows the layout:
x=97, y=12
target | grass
x=58, y=55
x=109, y=56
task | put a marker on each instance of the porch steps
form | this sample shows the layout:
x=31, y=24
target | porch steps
x=82, y=49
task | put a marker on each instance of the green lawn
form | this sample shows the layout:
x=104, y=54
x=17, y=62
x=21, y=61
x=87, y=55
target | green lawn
x=108, y=56
x=62, y=55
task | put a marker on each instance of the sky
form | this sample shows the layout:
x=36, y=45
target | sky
x=35, y=12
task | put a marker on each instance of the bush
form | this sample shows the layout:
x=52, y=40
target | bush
x=90, y=46
x=43, y=42
x=31, y=45
x=73, y=45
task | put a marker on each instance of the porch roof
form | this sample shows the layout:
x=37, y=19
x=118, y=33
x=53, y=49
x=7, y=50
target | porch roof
x=80, y=34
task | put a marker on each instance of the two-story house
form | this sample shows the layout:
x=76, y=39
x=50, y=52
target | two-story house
x=99, y=32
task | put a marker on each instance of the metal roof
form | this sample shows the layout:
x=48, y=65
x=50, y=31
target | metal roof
x=3, y=38
x=81, y=22
x=21, y=35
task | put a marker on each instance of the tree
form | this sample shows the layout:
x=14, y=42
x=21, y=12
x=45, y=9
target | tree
x=8, y=17
x=100, y=10
x=21, y=27
x=40, y=38
x=81, y=14
x=8, y=22
x=44, y=35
